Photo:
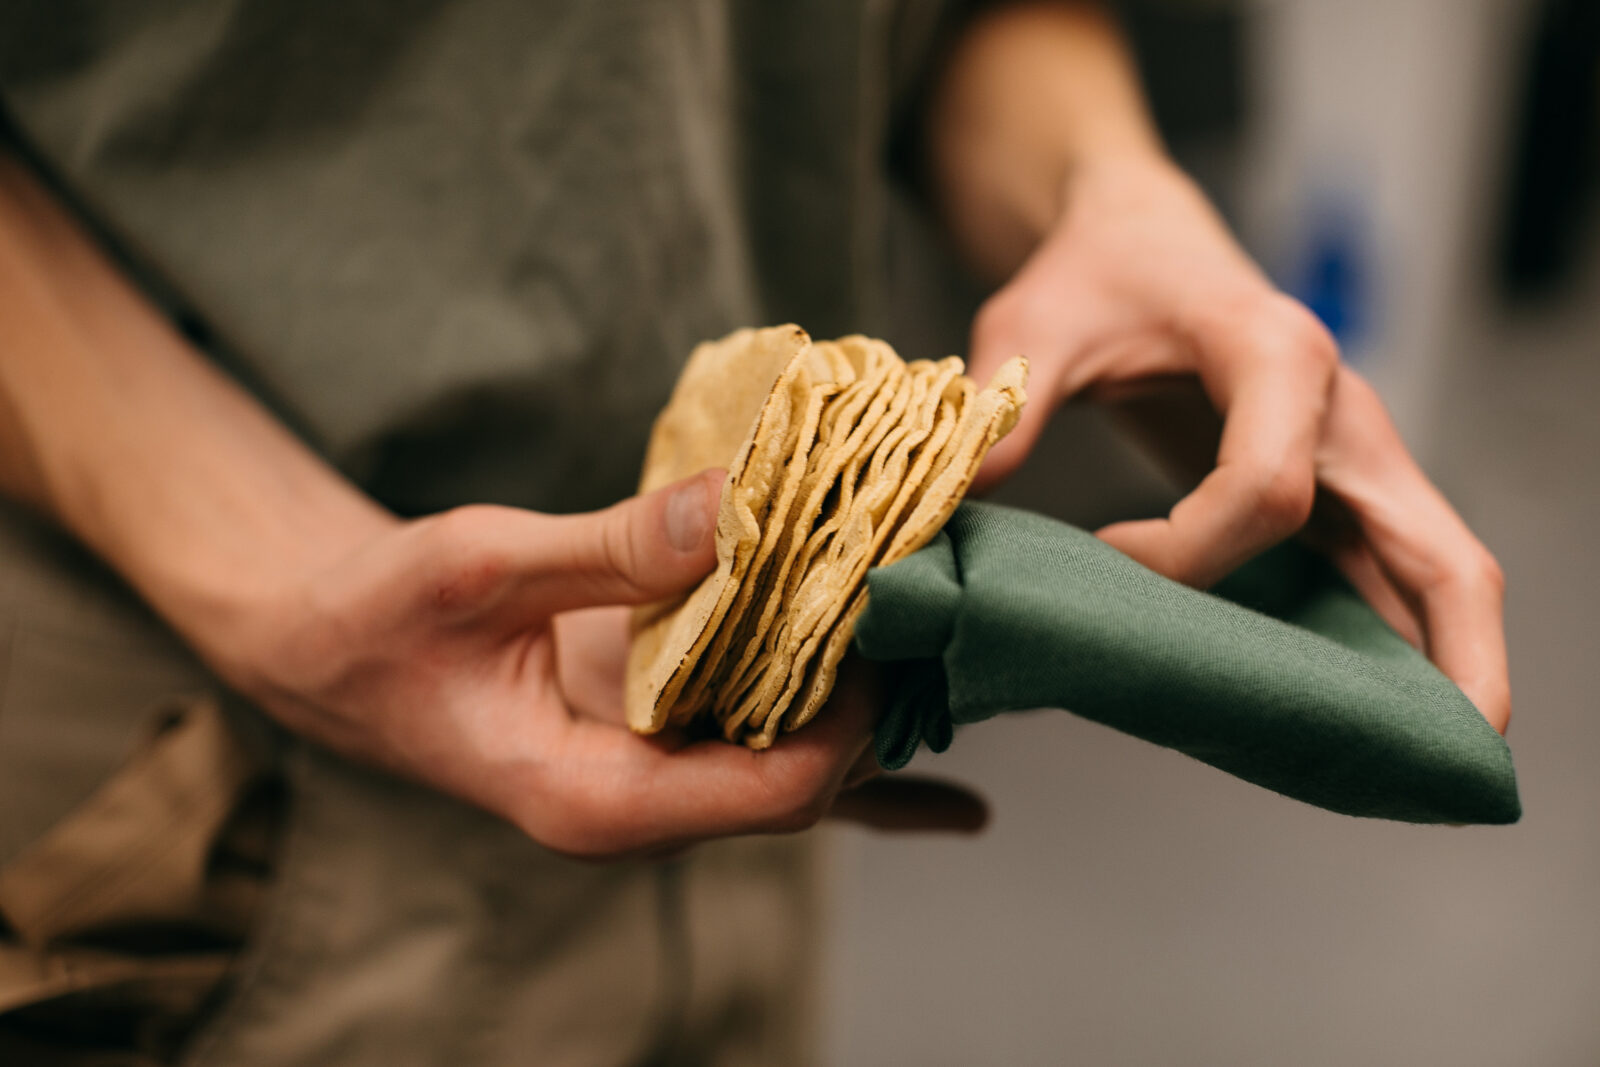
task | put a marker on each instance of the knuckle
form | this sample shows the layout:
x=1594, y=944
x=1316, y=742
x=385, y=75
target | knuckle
x=1491, y=574
x=1304, y=334
x=1472, y=570
x=586, y=829
x=1235, y=316
x=449, y=535
x=461, y=567
x=1276, y=323
x=1008, y=316
x=1360, y=395
x=805, y=814
x=578, y=848
x=619, y=555
x=1479, y=569
x=452, y=528
x=992, y=323
x=564, y=840
x=1284, y=496
x=800, y=794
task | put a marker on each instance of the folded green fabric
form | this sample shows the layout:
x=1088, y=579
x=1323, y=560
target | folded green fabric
x=1283, y=676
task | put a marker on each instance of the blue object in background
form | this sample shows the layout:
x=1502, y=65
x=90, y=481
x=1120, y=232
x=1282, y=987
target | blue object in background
x=1334, y=274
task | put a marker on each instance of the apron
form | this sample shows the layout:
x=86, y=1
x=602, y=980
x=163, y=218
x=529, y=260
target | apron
x=462, y=247
x=182, y=882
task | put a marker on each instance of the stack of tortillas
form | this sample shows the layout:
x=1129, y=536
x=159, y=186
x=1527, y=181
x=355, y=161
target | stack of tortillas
x=840, y=457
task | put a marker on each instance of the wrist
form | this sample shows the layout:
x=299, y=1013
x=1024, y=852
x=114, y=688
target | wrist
x=252, y=569
x=206, y=505
x=1034, y=94
x=117, y=430
x=1115, y=181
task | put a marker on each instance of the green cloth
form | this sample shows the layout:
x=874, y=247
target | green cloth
x=1283, y=677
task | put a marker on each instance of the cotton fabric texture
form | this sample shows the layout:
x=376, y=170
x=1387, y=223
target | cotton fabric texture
x=462, y=248
x=1283, y=677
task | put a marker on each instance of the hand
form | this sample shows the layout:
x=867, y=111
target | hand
x=466, y=651
x=453, y=649
x=1139, y=284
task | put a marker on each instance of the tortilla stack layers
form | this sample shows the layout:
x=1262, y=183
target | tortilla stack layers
x=841, y=457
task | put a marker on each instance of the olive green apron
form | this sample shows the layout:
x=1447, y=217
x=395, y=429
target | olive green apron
x=153, y=908
x=462, y=247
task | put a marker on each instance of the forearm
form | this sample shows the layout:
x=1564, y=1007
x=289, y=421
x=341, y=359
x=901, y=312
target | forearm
x=1031, y=92
x=116, y=429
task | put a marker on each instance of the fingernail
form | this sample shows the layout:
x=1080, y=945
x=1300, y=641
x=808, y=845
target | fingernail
x=688, y=516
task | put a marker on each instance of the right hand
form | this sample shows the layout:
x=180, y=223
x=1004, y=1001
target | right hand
x=1140, y=295
x=472, y=651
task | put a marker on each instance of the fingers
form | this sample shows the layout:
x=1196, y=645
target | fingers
x=1466, y=640
x=1361, y=568
x=1271, y=376
x=1000, y=332
x=614, y=793
x=643, y=549
x=481, y=559
x=1449, y=579
x=591, y=657
x=912, y=803
x=1008, y=453
x=657, y=796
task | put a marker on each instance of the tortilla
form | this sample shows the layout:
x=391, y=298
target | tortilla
x=810, y=599
x=732, y=404
x=834, y=479
x=840, y=457
x=815, y=606
x=983, y=420
x=829, y=372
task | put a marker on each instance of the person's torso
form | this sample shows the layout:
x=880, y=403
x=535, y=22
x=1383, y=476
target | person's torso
x=465, y=245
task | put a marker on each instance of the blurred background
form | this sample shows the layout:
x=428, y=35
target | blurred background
x=1423, y=174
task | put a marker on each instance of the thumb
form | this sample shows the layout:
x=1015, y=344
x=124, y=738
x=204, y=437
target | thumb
x=646, y=548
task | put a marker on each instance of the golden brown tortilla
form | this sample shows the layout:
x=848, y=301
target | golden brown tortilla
x=840, y=457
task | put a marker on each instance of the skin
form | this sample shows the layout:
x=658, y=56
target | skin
x=1122, y=284
x=479, y=651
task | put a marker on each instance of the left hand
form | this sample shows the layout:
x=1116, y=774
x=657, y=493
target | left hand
x=591, y=655
x=1139, y=284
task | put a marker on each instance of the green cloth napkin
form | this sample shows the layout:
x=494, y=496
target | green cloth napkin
x=1283, y=676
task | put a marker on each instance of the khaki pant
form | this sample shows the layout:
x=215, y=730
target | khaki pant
x=180, y=882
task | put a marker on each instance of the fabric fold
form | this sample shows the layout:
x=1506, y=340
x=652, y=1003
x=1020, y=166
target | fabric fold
x=1282, y=676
